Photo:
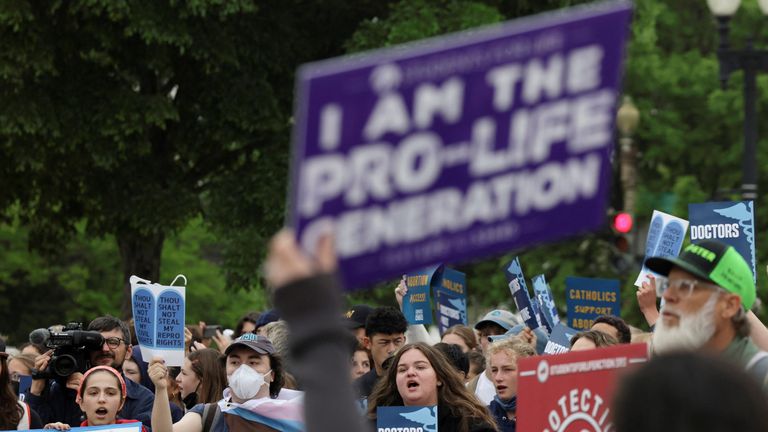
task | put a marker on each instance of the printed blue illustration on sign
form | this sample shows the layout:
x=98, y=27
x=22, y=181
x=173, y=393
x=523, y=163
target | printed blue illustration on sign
x=588, y=298
x=144, y=316
x=451, y=294
x=560, y=339
x=543, y=296
x=417, y=304
x=460, y=146
x=451, y=310
x=732, y=223
x=520, y=294
x=391, y=418
x=537, y=313
x=170, y=320
x=654, y=233
x=671, y=239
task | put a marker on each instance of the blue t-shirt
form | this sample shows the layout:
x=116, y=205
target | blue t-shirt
x=219, y=425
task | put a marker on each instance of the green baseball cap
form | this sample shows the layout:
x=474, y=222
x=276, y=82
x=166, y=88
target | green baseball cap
x=715, y=262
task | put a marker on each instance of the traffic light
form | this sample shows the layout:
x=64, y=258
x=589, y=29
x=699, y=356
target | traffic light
x=622, y=222
x=622, y=228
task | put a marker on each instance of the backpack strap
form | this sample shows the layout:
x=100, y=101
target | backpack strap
x=758, y=367
x=755, y=359
x=211, y=414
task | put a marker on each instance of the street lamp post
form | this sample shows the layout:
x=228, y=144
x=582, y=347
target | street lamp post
x=751, y=61
x=627, y=119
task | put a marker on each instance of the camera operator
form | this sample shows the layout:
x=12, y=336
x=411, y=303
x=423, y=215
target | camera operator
x=55, y=402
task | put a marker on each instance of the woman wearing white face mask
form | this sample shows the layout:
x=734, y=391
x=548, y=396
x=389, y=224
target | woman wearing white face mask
x=253, y=401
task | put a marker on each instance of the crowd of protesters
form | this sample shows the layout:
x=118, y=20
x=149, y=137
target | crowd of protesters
x=308, y=365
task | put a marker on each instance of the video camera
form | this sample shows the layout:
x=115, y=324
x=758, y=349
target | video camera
x=71, y=346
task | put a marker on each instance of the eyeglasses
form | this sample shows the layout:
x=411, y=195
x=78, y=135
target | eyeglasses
x=682, y=287
x=114, y=342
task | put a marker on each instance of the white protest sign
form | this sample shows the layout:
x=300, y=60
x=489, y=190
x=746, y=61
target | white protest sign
x=665, y=238
x=122, y=427
x=159, y=316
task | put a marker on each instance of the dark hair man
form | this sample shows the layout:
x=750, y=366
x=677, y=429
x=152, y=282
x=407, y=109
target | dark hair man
x=384, y=335
x=456, y=357
x=687, y=391
x=356, y=317
x=613, y=326
x=56, y=402
x=707, y=291
x=591, y=339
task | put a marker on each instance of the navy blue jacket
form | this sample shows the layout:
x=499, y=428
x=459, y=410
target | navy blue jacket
x=500, y=415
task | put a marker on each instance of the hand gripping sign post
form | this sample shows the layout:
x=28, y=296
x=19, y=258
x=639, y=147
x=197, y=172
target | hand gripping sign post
x=459, y=146
x=572, y=392
x=158, y=316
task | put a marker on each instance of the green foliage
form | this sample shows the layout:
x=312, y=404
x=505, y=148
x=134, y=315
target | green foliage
x=85, y=281
x=150, y=121
x=419, y=19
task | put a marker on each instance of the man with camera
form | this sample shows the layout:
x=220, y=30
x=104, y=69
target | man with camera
x=75, y=352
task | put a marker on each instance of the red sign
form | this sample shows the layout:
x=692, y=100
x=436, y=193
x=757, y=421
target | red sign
x=572, y=392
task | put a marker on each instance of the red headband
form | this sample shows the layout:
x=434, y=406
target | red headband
x=104, y=368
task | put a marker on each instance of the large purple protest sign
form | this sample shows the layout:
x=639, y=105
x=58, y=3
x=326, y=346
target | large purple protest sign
x=460, y=146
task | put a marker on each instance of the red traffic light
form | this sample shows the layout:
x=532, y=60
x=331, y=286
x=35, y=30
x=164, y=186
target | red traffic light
x=622, y=222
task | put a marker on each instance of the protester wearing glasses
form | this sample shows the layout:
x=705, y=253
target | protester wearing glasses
x=55, y=401
x=707, y=293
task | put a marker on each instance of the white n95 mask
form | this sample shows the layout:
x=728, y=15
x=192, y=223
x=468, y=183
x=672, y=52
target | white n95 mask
x=245, y=382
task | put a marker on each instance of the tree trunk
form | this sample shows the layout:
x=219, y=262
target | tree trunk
x=140, y=256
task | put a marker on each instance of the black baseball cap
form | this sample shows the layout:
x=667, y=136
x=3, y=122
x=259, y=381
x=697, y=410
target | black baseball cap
x=258, y=343
x=357, y=315
x=714, y=262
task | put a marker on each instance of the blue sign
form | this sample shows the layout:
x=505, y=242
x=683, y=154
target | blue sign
x=546, y=301
x=560, y=339
x=588, y=298
x=732, y=223
x=451, y=296
x=417, y=304
x=520, y=294
x=144, y=316
x=25, y=383
x=461, y=146
x=401, y=418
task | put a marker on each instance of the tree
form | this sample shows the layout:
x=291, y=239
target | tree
x=136, y=117
x=689, y=137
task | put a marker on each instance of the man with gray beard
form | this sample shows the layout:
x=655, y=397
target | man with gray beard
x=707, y=291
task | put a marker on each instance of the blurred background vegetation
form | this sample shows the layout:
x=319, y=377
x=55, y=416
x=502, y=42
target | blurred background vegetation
x=153, y=138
